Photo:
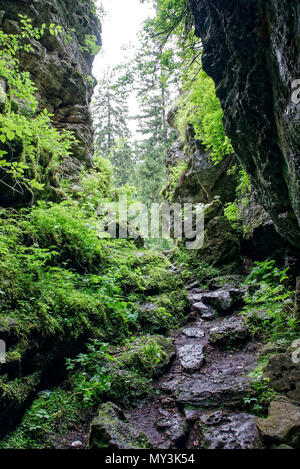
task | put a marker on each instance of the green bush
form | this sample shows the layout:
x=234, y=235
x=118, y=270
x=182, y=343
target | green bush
x=269, y=303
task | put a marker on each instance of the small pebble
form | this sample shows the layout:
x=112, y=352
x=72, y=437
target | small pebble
x=77, y=444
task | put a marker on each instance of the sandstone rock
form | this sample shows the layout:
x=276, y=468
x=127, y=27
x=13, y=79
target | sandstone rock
x=191, y=356
x=221, y=247
x=282, y=426
x=110, y=430
x=203, y=179
x=230, y=332
x=61, y=70
x=219, y=299
x=249, y=51
x=284, y=375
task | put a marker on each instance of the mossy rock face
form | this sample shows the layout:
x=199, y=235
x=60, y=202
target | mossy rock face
x=3, y=96
x=282, y=426
x=221, y=247
x=149, y=354
x=159, y=314
x=110, y=430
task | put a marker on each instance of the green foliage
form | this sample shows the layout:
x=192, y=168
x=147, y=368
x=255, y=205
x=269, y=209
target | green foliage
x=95, y=185
x=117, y=374
x=231, y=211
x=259, y=403
x=176, y=173
x=51, y=416
x=269, y=303
x=200, y=108
x=91, y=45
x=192, y=268
x=62, y=283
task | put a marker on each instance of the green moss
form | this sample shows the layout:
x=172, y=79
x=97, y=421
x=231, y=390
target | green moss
x=51, y=415
x=18, y=390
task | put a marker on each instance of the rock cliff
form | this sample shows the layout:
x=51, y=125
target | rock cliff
x=61, y=66
x=251, y=50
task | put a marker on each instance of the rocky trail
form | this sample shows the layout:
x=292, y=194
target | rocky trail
x=200, y=401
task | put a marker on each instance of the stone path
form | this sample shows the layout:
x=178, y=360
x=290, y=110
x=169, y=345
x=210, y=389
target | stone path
x=200, y=401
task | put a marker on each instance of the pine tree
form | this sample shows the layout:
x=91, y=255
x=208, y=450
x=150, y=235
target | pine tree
x=153, y=95
x=112, y=136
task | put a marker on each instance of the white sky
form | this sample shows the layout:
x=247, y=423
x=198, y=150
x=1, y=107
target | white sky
x=120, y=26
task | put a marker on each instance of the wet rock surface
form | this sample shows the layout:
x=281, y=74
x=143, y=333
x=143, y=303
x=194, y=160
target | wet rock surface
x=191, y=356
x=199, y=403
x=111, y=430
x=221, y=430
x=251, y=50
x=230, y=332
x=282, y=426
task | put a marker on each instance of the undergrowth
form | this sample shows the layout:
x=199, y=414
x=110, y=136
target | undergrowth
x=269, y=309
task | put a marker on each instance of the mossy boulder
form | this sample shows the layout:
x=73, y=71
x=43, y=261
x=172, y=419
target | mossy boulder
x=110, y=430
x=149, y=354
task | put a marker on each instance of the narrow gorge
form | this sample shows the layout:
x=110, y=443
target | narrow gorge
x=134, y=341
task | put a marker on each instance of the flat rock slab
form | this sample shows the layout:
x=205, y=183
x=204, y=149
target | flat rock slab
x=237, y=431
x=193, y=332
x=191, y=356
x=282, y=426
x=222, y=383
x=230, y=332
x=205, y=311
x=219, y=299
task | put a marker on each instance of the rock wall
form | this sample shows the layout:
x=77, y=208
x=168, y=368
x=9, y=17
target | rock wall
x=60, y=68
x=202, y=180
x=252, y=51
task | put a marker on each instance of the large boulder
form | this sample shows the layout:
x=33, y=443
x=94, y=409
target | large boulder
x=203, y=179
x=284, y=374
x=282, y=426
x=221, y=248
x=110, y=430
x=230, y=332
